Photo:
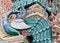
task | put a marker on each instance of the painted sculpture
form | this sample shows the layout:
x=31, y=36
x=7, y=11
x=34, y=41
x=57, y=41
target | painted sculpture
x=20, y=3
x=32, y=16
x=49, y=7
x=35, y=9
x=8, y=28
x=11, y=22
x=19, y=24
x=22, y=13
x=40, y=31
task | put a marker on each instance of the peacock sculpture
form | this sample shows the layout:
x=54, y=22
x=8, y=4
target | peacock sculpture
x=40, y=30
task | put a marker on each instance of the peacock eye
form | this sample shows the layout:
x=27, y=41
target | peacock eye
x=11, y=17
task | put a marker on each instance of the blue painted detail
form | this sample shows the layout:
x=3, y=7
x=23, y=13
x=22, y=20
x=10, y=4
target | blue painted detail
x=39, y=32
x=20, y=3
x=50, y=8
x=22, y=14
x=8, y=28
